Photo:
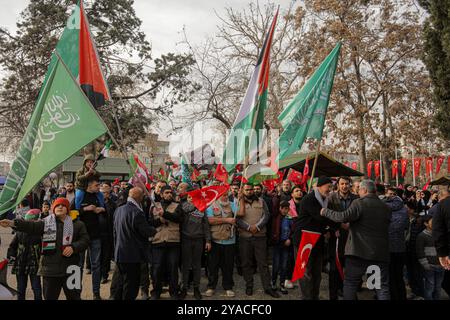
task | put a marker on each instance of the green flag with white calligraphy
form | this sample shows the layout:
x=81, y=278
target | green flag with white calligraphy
x=62, y=123
x=305, y=115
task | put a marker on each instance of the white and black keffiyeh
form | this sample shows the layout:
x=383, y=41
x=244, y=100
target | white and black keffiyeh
x=49, y=236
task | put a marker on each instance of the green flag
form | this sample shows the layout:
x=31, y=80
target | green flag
x=62, y=123
x=305, y=115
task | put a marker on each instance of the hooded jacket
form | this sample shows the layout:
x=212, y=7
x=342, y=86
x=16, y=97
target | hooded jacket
x=398, y=225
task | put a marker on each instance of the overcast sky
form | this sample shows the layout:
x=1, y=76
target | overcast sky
x=162, y=21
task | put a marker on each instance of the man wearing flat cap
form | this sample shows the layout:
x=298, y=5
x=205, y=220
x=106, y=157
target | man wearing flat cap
x=309, y=219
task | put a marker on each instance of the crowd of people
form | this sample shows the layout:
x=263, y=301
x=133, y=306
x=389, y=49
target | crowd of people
x=155, y=235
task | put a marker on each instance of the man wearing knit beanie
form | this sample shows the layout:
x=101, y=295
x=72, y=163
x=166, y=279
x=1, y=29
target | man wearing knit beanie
x=32, y=214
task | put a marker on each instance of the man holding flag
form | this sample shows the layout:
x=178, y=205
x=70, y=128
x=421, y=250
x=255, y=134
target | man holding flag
x=308, y=266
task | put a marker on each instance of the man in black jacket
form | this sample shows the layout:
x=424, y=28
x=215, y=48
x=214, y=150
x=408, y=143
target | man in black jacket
x=441, y=231
x=309, y=219
x=131, y=244
x=106, y=223
x=338, y=201
x=368, y=240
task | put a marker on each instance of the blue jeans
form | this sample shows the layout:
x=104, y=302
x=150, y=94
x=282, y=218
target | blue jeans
x=22, y=282
x=95, y=250
x=433, y=283
x=281, y=255
x=355, y=268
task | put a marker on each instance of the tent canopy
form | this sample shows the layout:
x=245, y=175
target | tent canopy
x=326, y=165
x=443, y=181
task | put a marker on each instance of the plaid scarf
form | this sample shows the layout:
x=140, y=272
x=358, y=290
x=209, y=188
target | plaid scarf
x=49, y=237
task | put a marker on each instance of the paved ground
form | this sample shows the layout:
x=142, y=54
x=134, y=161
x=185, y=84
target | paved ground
x=6, y=237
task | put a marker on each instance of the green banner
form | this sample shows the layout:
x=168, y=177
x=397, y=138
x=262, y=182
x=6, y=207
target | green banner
x=305, y=115
x=62, y=123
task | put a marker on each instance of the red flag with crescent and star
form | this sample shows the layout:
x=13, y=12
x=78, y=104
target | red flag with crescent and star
x=439, y=163
x=204, y=197
x=404, y=163
x=417, y=166
x=369, y=169
x=376, y=165
x=355, y=165
x=307, y=243
x=394, y=168
x=295, y=176
x=221, y=173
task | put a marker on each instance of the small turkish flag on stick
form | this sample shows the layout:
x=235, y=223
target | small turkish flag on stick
x=307, y=243
x=204, y=197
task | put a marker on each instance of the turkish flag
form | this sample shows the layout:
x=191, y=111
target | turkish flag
x=295, y=176
x=280, y=177
x=417, y=166
x=394, y=168
x=204, y=197
x=448, y=164
x=404, y=163
x=377, y=168
x=269, y=184
x=307, y=243
x=439, y=162
x=429, y=166
x=355, y=165
x=195, y=174
x=162, y=173
x=239, y=168
x=305, y=172
x=221, y=173
x=369, y=168
x=90, y=75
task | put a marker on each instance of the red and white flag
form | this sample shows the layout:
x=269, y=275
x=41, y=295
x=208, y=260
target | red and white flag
x=305, y=172
x=295, y=176
x=221, y=173
x=439, y=163
x=355, y=165
x=307, y=243
x=369, y=168
x=394, y=168
x=417, y=166
x=404, y=163
x=377, y=168
x=204, y=197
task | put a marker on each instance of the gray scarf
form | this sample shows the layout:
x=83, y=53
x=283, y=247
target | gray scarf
x=130, y=199
x=323, y=202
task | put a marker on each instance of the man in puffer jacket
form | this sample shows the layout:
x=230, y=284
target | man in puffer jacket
x=397, y=244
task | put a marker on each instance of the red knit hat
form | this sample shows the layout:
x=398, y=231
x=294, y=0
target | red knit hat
x=62, y=201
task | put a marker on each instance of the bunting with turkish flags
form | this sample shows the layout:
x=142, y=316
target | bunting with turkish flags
x=404, y=163
x=307, y=243
x=394, y=168
x=369, y=168
x=204, y=197
x=377, y=168
x=439, y=163
x=429, y=166
x=416, y=164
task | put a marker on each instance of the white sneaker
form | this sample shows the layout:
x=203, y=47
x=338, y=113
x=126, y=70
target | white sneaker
x=288, y=284
x=209, y=293
x=229, y=293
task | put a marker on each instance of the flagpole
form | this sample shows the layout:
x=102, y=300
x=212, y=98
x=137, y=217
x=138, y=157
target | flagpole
x=396, y=172
x=84, y=95
x=314, y=165
x=413, y=170
x=381, y=170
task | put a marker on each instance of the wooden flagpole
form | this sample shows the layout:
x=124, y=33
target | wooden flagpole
x=315, y=165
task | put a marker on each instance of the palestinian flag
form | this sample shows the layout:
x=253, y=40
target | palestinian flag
x=105, y=151
x=249, y=122
x=139, y=170
x=77, y=49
